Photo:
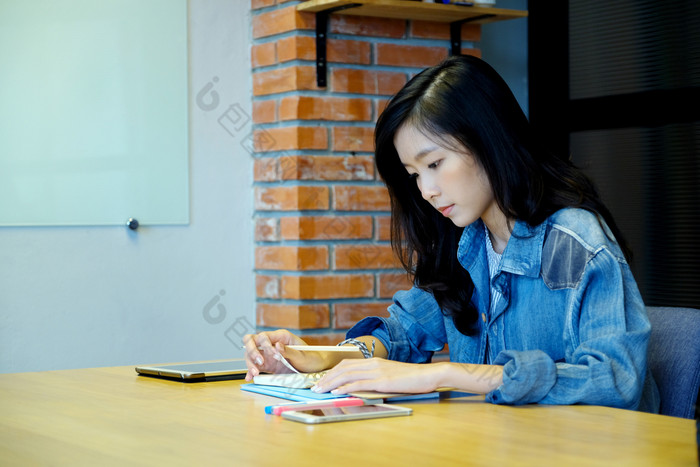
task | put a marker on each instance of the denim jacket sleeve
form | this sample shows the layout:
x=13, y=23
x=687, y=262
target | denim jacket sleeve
x=606, y=334
x=413, y=331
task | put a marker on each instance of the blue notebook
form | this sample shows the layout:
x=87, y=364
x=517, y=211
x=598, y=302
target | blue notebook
x=305, y=395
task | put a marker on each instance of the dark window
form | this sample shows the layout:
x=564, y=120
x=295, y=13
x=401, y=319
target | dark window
x=621, y=81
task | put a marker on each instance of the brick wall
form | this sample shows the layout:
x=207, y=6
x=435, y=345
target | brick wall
x=323, y=259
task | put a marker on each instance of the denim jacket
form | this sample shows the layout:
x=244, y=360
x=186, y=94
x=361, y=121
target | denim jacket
x=571, y=326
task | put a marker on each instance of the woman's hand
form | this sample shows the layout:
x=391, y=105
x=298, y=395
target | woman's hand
x=378, y=374
x=262, y=353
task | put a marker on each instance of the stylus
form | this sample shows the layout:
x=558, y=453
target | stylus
x=344, y=402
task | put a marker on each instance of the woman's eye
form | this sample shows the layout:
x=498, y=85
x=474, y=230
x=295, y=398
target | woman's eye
x=434, y=164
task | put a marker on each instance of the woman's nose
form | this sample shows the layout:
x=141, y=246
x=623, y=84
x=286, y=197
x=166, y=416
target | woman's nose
x=428, y=188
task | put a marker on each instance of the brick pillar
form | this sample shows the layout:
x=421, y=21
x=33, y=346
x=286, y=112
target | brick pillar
x=323, y=259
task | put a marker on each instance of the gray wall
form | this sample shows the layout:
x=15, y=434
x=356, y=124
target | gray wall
x=83, y=297
x=74, y=297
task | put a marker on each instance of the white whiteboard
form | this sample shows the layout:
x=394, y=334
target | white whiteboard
x=93, y=112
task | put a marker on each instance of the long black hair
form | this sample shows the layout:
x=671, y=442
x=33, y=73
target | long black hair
x=464, y=100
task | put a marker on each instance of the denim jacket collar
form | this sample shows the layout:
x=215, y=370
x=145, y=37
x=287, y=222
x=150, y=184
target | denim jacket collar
x=523, y=253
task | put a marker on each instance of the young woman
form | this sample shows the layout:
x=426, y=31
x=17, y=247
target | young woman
x=517, y=265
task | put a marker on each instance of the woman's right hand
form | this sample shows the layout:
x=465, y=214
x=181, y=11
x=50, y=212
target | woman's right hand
x=261, y=349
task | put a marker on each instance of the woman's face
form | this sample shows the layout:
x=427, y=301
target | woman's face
x=452, y=182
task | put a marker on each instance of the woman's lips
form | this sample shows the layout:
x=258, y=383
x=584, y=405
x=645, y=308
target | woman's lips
x=445, y=210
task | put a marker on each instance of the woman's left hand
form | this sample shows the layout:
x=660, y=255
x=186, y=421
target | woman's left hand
x=378, y=374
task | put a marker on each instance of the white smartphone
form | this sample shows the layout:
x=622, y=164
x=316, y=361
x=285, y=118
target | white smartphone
x=341, y=414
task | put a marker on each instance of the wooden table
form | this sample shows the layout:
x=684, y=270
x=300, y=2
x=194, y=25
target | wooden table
x=111, y=416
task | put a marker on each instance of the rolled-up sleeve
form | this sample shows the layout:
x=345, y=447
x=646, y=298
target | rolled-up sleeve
x=413, y=331
x=527, y=377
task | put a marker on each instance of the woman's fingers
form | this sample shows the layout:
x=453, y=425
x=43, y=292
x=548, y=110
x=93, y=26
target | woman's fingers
x=261, y=349
x=252, y=356
x=346, y=372
x=255, y=345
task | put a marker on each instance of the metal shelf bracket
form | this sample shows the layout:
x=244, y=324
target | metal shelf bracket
x=321, y=45
x=456, y=33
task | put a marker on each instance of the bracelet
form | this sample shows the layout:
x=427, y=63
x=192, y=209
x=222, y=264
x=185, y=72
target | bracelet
x=361, y=345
